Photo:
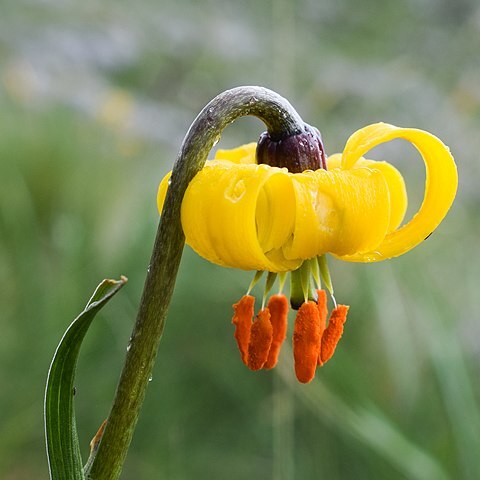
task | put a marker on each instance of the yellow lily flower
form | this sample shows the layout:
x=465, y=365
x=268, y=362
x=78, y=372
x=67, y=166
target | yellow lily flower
x=237, y=213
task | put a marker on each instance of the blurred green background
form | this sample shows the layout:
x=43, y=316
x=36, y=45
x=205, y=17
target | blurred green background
x=95, y=98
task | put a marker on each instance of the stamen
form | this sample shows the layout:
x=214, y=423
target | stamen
x=315, y=273
x=256, y=278
x=333, y=333
x=325, y=273
x=260, y=340
x=271, y=277
x=306, y=341
x=322, y=311
x=242, y=319
x=282, y=276
x=334, y=300
x=301, y=287
x=278, y=306
x=322, y=308
x=305, y=273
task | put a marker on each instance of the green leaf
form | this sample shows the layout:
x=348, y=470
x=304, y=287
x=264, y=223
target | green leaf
x=63, y=451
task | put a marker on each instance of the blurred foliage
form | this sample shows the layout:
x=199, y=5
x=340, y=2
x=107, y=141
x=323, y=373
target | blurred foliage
x=94, y=101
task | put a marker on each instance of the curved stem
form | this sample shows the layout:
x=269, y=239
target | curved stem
x=282, y=121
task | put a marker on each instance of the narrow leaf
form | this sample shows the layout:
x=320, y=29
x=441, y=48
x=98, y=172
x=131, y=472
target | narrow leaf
x=60, y=428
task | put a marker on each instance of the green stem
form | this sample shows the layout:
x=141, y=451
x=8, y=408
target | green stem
x=282, y=121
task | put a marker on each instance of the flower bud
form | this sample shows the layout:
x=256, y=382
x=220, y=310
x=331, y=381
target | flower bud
x=300, y=152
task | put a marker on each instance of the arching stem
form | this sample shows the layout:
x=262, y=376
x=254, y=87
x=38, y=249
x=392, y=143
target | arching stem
x=282, y=121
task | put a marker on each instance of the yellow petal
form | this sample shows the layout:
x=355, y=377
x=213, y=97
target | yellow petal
x=440, y=185
x=334, y=161
x=316, y=220
x=395, y=182
x=341, y=212
x=162, y=191
x=242, y=154
x=231, y=226
x=238, y=215
x=396, y=188
x=257, y=217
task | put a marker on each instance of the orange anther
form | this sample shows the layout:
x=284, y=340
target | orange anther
x=333, y=333
x=322, y=310
x=278, y=306
x=306, y=341
x=260, y=340
x=242, y=319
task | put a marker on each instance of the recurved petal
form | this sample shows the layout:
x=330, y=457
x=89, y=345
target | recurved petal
x=338, y=211
x=316, y=219
x=395, y=183
x=440, y=186
x=396, y=188
x=238, y=215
